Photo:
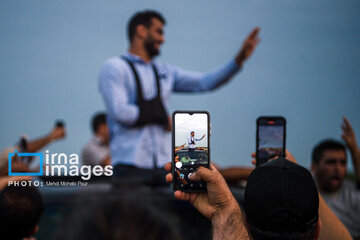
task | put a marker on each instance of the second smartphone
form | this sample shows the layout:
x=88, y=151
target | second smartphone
x=270, y=138
x=190, y=147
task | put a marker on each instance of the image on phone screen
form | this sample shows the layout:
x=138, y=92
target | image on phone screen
x=191, y=148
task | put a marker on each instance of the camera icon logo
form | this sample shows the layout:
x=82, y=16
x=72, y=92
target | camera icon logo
x=11, y=155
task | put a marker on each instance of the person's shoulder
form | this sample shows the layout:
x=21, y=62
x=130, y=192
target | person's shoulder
x=114, y=66
x=114, y=63
x=348, y=185
x=91, y=145
x=164, y=66
x=350, y=190
x=87, y=146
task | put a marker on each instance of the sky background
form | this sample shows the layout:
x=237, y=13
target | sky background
x=186, y=123
x=306, y=67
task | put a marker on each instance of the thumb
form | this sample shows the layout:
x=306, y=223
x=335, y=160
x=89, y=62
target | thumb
x=202, y=174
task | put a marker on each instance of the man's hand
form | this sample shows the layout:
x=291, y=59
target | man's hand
x=348, y=135
x=57, y=133
x=217, y=198
x=218, y=204
x=179, y=148
x=248, y=47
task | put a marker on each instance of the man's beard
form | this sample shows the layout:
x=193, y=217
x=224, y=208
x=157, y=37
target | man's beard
x=150, y=48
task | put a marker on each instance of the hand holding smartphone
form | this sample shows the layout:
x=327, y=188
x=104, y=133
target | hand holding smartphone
x=191, y=128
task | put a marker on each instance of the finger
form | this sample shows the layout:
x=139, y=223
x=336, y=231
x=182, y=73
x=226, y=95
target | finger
x=212, y=167
x=169, y=177
x=347, y=123
x=203, y=174
x=346, y=131
x=182, y=196
x=254, y=32
x=253, y=162
x=343, y=126
x=167, y=166
x=194, y=177
x=253, y=154
x=343, y=136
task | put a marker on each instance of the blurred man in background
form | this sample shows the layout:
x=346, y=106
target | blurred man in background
x=329, y=166
x=136, y=90
x=97, y=150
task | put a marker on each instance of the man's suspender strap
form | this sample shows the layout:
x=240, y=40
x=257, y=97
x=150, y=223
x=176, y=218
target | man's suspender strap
x=150, y=111
x=157, y=80
x=137, y=79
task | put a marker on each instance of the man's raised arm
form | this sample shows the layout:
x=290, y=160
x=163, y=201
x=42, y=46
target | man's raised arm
x=217, y=204
x=187, y=81
x=348, y=135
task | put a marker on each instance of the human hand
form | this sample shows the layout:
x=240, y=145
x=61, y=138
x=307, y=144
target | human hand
x=57, y=133
x=348, y=135
x=288, y=156
x=216, y=202
x=248, y=47
x=179, y=148
x=203, y=136
x=169, y=125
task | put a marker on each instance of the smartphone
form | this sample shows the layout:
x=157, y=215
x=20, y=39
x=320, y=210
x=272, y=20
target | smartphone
x=270, y=138
x=59, y=123
x=190, y=148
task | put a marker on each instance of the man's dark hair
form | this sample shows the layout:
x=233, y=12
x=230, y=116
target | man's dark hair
x=20, y=210
x=142, y=18
x=328, y=144
x=98, y=119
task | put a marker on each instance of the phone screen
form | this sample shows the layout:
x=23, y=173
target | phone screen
x=190, y=148
x=270, y=138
